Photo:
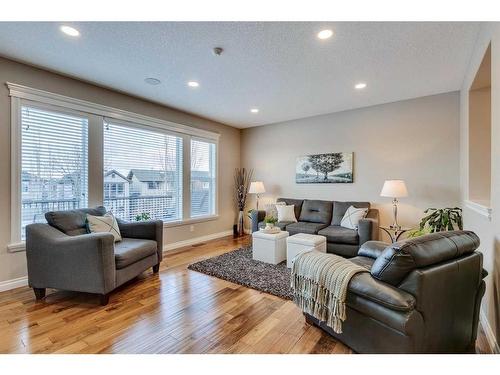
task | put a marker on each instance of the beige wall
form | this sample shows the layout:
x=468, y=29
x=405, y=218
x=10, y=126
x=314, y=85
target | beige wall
x=13, y=265
x=488, y=230
x=415, y=140
x=480, y=145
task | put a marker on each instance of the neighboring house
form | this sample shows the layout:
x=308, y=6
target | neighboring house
x=146, y=182
x=116, y=193
x=116, y=185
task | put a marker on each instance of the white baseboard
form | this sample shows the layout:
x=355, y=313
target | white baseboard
x=490, y=336
x=196, y=240
x=13, y=284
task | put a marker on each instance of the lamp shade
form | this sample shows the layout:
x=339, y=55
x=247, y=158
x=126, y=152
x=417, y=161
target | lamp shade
x=256, y=187
x=394, y=189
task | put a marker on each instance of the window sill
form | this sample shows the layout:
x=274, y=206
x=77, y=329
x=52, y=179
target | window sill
x=479, y=208
x=194, y=220
x=16, y=247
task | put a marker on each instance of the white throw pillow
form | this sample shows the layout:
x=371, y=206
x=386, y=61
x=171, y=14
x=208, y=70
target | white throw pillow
x=286, y=213
x=104, y=224
x=352, y=217
x=271, y=209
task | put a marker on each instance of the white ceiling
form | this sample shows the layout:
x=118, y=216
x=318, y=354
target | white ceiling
x=282, y=68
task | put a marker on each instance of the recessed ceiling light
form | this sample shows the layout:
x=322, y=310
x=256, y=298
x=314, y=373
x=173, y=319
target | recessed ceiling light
x=254, y=110
x=325, y=34
x=152, y=81
x=193, y=84
x=360, y=86
x=68, y=30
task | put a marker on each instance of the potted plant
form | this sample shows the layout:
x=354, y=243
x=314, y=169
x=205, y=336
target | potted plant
x=270, y=221
x=438, y=220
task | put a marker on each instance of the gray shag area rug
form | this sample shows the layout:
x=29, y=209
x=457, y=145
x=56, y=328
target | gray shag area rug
x=238, y=267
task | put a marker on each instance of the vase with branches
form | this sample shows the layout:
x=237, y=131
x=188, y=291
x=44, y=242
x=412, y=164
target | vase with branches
x=242, y=178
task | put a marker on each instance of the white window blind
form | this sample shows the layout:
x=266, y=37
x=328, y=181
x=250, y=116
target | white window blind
x=54, y=158
x=142, y=173
x=203, y=171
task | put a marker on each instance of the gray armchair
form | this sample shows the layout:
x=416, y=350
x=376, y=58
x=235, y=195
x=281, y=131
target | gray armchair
x=61, y=255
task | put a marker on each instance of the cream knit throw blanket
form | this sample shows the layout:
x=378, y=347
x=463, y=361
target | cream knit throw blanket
x=319, y=284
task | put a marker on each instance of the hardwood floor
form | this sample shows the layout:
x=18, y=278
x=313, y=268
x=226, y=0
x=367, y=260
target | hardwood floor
x=174, y=311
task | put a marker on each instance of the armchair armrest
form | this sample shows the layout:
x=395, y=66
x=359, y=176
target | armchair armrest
x=257, y=216
x=365, y=286
x=372, y=249
x=146, y=230
x=368, y=227
x=84, y=263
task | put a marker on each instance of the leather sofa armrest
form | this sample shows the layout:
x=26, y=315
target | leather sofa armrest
x=257, y=217
x=372, y=249
x=368, y=227
x=364, y=285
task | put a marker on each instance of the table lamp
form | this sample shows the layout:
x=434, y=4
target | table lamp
x=257, y=187
x=394, y=189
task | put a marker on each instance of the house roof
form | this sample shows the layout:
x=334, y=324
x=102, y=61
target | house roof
x=146, y=175
x=117, y=173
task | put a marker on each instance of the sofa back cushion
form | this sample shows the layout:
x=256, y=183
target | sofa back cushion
x=400, y=258
x=316, y=211
x=72, y=222
x=339, y=209
x=297, y=203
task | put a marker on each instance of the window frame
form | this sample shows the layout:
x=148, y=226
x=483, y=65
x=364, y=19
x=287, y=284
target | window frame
x=216, y=174
x=97, y=115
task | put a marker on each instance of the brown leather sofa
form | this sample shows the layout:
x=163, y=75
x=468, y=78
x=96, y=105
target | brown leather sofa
x=421, y=295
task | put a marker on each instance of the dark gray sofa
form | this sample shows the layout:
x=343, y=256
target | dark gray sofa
x=323, y=218
x=61, y=255
x=422, y=295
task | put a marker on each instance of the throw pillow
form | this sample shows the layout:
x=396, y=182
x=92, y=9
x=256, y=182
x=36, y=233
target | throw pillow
x=104, y=224
x=286, y=213
x=352, y=217
x=271, y=209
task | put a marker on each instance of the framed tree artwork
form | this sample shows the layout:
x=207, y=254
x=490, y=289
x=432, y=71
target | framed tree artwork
x=332, y=168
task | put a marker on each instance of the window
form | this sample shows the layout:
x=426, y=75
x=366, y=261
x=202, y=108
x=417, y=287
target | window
x=58, y=143
x=203, y=172
x=148, y=163
x=54, y=166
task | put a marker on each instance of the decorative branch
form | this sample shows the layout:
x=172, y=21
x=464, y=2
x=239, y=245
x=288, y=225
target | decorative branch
x=242, y=178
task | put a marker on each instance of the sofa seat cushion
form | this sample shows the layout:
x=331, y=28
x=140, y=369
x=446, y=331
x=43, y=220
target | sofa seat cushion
x=280, y=224
x=338, y=234
x=131, y=250
x=304, y=227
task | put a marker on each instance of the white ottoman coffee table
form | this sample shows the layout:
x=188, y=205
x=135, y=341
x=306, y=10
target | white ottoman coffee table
x=269, y=247
x=301, y=242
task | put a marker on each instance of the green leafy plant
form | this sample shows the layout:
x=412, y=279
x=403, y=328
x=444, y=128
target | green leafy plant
x=439, y=220
x=270, y=220
x=142, y=216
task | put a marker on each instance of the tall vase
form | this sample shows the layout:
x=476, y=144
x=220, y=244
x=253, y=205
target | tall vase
x=241, y=230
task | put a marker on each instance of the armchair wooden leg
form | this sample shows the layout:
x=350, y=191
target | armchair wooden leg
x=156, y=268
x=104, y=299
x=39, y=293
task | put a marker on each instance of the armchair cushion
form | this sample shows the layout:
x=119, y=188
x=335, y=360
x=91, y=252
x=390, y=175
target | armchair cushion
x=131, y=250
x=72, y=222
x=372, y=249
x=338, y=234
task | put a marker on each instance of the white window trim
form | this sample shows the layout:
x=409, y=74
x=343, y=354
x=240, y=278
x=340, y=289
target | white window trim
x=22, y=94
